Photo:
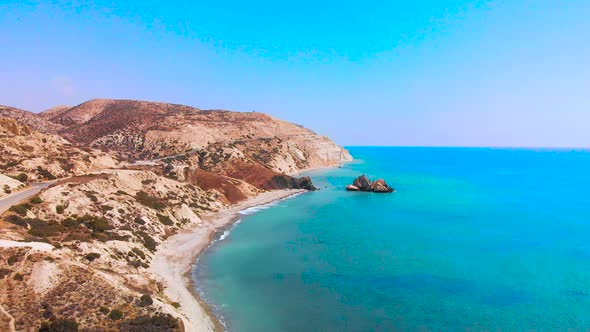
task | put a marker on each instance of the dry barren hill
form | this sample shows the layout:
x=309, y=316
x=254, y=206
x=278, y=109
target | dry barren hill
x=30, y=119
x=43, y=156
x=148, y=130
x=54, y=111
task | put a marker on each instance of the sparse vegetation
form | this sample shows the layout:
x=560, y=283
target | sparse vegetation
x=145, y=300
x=59, y=325
x=45, y=173
x=12, y=260
x=157, y=323
x=4, y=272
x=20, y=209
x=165, y=220
x=69, y=222
x=91, y=195
x=16, y=220
x=18, y=277
x=59, y=209
x=138, y=253
x=147, y=240
x=96, y=224
x=36, y=200
x=92, y=256
x=22, y=177
x=42, y=228
x=150, y=201
x=115, y=314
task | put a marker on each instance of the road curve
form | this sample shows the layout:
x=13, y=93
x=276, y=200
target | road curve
x=20, y=196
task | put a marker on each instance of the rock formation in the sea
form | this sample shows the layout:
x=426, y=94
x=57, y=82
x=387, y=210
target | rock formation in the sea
x=95, y=232
x=362, y=183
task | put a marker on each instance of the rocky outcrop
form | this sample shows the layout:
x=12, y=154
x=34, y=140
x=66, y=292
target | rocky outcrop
x=380, y=186
x=362, y=183
x=283, y=181
x=352, y=187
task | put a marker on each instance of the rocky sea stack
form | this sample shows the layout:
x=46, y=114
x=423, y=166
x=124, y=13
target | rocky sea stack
x=362, y=183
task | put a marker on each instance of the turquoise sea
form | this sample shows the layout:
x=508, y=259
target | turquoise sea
x=474, y=239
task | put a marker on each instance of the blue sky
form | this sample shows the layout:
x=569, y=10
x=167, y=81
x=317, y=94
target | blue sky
x=424, y=72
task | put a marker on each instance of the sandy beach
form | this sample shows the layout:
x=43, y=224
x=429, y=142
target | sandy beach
x=173, y=261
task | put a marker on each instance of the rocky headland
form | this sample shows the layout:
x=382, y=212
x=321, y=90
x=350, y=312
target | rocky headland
x=362, y=183
x=132, y=192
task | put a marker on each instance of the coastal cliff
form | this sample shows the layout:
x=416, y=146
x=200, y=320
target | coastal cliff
x=94, y=249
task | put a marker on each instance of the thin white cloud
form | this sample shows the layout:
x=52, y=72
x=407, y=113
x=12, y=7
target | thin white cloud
x=63, y=85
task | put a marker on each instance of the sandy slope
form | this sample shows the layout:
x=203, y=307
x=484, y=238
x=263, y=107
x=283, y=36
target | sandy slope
x=177, y=254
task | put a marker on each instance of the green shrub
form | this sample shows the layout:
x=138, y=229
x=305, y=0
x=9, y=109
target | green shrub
x=59, y=325
x=18, y=277
x=165, y=220
x=4, y=272
x=147, y=240
x=99, y=224
x=36, y=200
x=96, y=224
x=138, y=252
x=134, y=263
x=139, y=221
x=69, y=222
x=21, y=209
x=104, y=310
x=45, y=173
x=92, y=256
x=175, y=305
x=43, y=229
x=59, y=209
x=16, y=220
x=149, y=201
x=115, y=314
x=22, y=177
x=145, y=300
x=106, y=208
x=12, y=260
x=159, y=322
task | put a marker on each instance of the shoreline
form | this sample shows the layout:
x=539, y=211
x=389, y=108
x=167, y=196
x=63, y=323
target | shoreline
x=172, y=264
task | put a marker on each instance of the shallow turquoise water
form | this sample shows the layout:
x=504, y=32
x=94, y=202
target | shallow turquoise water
x=474, y=239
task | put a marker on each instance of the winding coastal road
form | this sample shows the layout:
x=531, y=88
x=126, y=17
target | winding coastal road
x=20, y=196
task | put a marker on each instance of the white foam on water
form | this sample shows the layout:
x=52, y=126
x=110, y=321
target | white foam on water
x=257, y=208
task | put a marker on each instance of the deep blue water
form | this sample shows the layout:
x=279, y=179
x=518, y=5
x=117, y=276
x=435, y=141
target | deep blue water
x=473, y=239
